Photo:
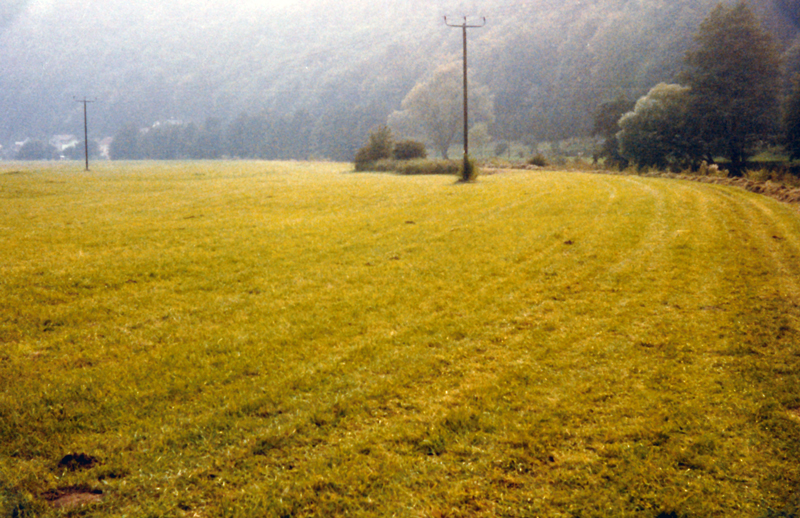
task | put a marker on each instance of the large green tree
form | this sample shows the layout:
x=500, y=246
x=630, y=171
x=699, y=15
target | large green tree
x=655, y=133
x=734, y=73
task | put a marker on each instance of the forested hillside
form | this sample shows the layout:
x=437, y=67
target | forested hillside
x=315, y=77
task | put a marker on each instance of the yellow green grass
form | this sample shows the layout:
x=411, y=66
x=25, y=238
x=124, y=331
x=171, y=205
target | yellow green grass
x=287, y=339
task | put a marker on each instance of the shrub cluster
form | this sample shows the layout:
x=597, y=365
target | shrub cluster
x=468, y=171
x=538, y=160
x=380, y=146
x=407, y=157
x=423, y=166
x=381, y=153
x=409, y=150
x=418, y=166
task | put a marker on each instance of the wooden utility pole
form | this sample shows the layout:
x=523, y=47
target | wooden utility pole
x=464, y=26
x=85, y=129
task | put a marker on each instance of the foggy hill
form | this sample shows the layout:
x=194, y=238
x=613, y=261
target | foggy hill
x=339, y=68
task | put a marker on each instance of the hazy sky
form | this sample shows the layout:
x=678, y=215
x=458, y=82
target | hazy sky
x=47, y=6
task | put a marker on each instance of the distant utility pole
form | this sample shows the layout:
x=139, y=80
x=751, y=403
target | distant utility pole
x=464, y=28
x=85, y=128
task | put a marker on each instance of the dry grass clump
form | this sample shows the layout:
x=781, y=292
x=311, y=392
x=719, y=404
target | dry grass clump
x=282, y=339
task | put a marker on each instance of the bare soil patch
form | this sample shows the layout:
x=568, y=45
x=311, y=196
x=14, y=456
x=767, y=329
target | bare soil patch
x=72, y=497
x=77, y=461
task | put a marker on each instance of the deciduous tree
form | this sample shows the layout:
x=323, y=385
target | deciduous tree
x=655, y=133
x=735, y=79
x=433, y=109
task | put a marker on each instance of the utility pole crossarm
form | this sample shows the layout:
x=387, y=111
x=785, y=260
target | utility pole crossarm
x=464, y=26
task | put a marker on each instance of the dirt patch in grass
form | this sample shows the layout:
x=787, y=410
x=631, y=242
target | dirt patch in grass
x=77, y=461
x=72, y=497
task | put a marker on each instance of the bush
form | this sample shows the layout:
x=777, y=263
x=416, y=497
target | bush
x=468, y=171
x=379, y=146
x=538, y=160
x=419, y=166
x=384, y=165
x=409, y=150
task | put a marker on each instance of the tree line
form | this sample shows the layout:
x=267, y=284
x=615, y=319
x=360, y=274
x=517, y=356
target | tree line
x=728, y=104
x=262, y=136
x=313, y=82
x=346, y=67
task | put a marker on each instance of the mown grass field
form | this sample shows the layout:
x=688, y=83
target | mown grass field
x=285, y=339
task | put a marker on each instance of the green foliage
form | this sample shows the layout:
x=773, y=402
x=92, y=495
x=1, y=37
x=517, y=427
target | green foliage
x=656, y=133
x=36, y=150
x=538, y=160
x=168, y=140
x=209, y=141
x=545, y=74
x=607, y=115
x=126, y=144
x=409, y=150
x=413, y=167
x=434, y=107
x=468, y=170
x=606, y=125
x=247, y=136
x=734, y=74
x=479, y=138
x=380, y=146
x=428, y=167
x=791, y=122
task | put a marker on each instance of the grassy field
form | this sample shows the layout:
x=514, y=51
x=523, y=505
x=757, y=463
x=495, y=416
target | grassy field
x=287, y=339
